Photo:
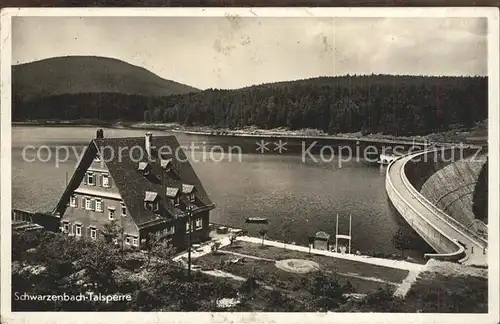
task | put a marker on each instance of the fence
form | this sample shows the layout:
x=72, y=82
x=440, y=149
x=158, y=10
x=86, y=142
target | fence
x=19, y=215
x=37, y=220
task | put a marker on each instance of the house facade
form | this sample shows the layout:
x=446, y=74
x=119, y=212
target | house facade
x=143, y=187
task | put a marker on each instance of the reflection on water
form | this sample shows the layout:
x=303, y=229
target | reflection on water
x=298, y=197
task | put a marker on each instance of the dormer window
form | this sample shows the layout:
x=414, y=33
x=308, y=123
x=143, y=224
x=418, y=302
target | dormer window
x=173, y=195
x=166, y=165
x=144, y=167
x=151, y=201
x=189, y=190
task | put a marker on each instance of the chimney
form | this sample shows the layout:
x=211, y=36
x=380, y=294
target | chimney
x=147, y=144
x=99, y=134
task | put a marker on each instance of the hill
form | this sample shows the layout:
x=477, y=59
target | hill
x=402, y=105
x=391, y=104
x=88, y=74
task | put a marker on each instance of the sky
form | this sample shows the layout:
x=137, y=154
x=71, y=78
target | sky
x=233, y=52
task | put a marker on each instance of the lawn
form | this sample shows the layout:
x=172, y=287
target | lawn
x=326, y=262
x=269, y=274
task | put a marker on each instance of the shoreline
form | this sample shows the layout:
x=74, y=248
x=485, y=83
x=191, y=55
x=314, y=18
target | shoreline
x=251, y=132
x=294, y=136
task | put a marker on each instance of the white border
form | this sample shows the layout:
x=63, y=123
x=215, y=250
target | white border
x=80, y=317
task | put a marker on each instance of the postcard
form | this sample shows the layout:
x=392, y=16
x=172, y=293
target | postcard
x=249, y=165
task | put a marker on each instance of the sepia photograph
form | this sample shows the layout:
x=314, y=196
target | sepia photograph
x=250, y=161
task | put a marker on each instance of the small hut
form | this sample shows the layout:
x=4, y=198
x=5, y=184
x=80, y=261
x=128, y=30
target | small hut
x=321, y=241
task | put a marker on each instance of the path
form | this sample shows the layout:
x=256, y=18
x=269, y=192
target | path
x=397, y=264
x=413, y=268
x=247, y=256
x=348, y=274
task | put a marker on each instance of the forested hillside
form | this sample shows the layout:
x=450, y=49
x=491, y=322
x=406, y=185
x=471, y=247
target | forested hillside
x=398, y=105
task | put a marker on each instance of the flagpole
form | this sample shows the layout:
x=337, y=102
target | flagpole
x=337, y=233
x=350, y=237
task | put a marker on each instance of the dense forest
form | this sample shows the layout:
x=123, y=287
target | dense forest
x=397, y=105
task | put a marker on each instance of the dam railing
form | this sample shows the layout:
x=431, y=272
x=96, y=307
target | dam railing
x=459, y=254
x=459, y=227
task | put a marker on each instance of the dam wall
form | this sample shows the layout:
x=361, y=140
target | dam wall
x=420, y=168
x=452, y=188
x=446, y=179
x=447, y=249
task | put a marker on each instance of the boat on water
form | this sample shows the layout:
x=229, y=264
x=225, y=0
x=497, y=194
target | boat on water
x=256, y=220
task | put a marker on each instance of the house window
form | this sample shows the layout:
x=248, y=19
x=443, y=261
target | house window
x=173, y=195
x=168, y=230
x=151, y=200
x=199, y=223
x=187, y=227
x=154, y=206
x=188, y=190
x=88, y=204
x=78, y=230
x=73, y=202
x=98, y=205
x=97, y=158
x=124, y=209
x=66, y=227
x=105, y=181
x=111, y=213
x=90, y=179
x=135, y=241
x=128, y=240
x=93, y=233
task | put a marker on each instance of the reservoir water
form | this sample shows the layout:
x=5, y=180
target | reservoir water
x=298, y=197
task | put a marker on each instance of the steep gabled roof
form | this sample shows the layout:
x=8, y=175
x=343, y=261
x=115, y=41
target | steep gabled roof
x=122, y=157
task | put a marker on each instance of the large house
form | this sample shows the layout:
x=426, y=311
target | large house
x=144, y=185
